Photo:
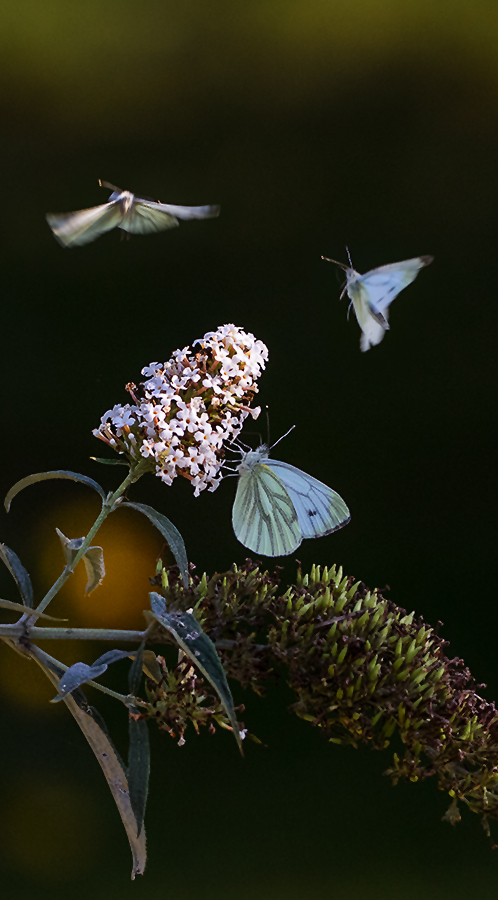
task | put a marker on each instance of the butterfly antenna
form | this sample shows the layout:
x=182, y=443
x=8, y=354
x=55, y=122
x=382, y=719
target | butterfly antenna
x=344, y=267
x=239, y=445
x=349, y=257
x=267, y=426
x=238, y=441
x=283, y=436
x=112, y=187
x=336, y=261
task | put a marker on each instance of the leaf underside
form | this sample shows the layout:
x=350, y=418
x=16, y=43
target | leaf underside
x=200, y=649
x=138, y=766
x=19, y=574
x=46, y=476
x=169, y=532
x=93, y=727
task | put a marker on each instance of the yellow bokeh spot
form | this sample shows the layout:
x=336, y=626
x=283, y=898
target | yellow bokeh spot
x=131, y=546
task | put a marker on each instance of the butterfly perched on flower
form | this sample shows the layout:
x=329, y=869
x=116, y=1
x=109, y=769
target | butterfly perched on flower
x=277, y=506
x=372, y=293
x=123, y=210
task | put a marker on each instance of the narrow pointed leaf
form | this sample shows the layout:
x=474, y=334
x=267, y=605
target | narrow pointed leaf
x=109, y=462
x=45, y=476
x=112, y=656
x=201, y=650
x=169, y=532
x=19, y=574
x=18, y=607
x=151, y=666
x=135, y=673
x=95, y=731
x=138, y=766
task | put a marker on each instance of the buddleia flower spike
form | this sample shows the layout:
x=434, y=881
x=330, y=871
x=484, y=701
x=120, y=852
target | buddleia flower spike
x=189, y=407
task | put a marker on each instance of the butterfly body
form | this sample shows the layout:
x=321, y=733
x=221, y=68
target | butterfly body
x=123, y=210
x=277, y=505
x=372, y=293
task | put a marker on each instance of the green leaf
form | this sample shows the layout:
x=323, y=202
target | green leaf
x=95, y=731
x=79, y=672
x=95, y=569
x=109, y=462
x=70, y=546
x=75, y=676
x=151, y=666
x=169, y=532
x=18, y=607
x=93, y=560
x=111, y=656
x=201, y=650
x=138, y=766
x=135, y=673
x=45, y=476
x=19, y=574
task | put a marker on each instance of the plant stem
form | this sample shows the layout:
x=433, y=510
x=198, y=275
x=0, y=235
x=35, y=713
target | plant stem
x=85, y=634
x=65, y=634
x=107, y=507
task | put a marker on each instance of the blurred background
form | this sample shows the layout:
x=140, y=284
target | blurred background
x=315, y=124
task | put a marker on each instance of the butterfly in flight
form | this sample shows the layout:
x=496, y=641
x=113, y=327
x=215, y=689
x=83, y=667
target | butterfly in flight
x=372, y=293
x=277, y=506
x=123, y=210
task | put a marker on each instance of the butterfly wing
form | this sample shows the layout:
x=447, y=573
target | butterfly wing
x=146, y=216
x=76, y=228
x=320, y=510
x=263, y=515
x=186, y=212
x=373, y=292
x=373, y=326
x=383, y=284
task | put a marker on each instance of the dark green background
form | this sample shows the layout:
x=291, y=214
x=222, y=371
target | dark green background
x=314, y=124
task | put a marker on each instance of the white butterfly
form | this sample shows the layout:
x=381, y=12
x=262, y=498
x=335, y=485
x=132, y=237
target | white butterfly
x=372, y=293
x=123, y=210
x=277, y=506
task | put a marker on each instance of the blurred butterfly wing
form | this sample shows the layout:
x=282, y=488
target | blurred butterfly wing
x=263, y=515
x=320, y=510
x=145, y=218
x=76, y=228
x=372, y=333
x=183, y=212
x=373, y=292
x=384, y=283
x=373, y=325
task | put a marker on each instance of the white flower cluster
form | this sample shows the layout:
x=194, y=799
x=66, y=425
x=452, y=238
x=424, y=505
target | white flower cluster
x=189, y=406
